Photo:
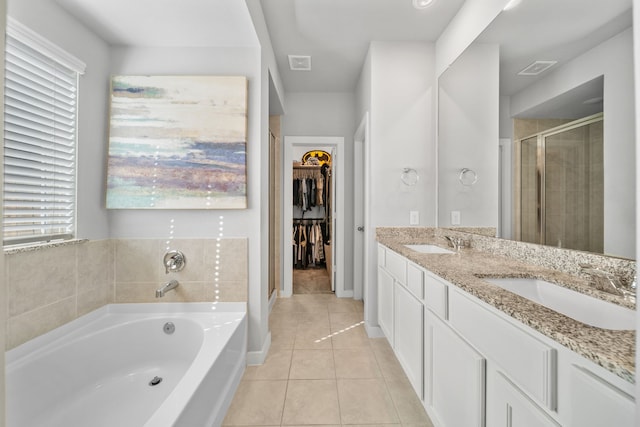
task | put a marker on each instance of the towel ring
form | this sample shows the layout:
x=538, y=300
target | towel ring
x=409, y=177
x=468, y=177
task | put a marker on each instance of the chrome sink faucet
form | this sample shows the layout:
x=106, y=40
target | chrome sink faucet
x=608, y=282
x=166, y=288
x=456, y=242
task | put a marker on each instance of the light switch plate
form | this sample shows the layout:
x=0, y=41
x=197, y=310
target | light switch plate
x=414, y=218
x=455, y=217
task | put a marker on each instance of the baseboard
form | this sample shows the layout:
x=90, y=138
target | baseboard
x=272, y=300
x=345, y=294
x=373, y=331
x=258, y=357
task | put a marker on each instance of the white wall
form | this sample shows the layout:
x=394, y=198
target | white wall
x=3, y=288
x=49, y=20
x=327, y=114
x=612, y=59
x=396, y=87
x=636, y=76
x=468, y=108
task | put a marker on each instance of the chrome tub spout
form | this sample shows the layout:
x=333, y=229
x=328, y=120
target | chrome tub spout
x=166, y=288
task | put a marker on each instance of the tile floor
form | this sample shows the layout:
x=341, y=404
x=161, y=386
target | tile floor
x=312, y=280
x=322, y=369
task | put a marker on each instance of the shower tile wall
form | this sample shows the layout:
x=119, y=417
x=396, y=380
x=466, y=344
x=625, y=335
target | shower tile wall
x=49, y=287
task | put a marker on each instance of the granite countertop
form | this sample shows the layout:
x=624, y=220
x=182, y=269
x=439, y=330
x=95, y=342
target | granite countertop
x=611, y=349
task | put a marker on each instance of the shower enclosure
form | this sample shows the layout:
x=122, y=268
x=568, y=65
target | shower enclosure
x=562, y=186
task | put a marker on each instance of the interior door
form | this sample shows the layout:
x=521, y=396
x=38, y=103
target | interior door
x=334, y=219
x=358, y=220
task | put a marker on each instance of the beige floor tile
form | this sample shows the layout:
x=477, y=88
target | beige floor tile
x=312, y=365
x=283, y=320
x=311, y=402
x=285, y=305
x=314, y=318
x=365, y=401
x=257, y=403
x=342, y=320
x=283, y=338
x=356, y=363
x=313, y=337
x=387, y=361
x=341, y=305
x=275, y=367
x=351, y=338
x=408, y=406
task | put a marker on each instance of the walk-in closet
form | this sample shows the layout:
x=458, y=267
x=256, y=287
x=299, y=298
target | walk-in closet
x=311, y=222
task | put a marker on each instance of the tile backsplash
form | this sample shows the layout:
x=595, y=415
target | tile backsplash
x=48, y=287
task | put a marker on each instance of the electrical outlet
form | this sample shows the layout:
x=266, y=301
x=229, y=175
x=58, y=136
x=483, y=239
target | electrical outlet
x=455, y=217
x=414, y=218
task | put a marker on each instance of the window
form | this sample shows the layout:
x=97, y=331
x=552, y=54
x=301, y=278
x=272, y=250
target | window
x=40, y=118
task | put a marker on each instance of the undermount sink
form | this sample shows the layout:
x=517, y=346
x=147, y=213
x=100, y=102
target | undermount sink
x=429, y=249
x=580, y=307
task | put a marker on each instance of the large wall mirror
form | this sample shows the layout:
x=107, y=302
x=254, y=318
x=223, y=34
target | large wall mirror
x=541, y=108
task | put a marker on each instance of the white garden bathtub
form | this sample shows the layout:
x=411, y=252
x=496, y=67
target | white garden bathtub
x=96, y=371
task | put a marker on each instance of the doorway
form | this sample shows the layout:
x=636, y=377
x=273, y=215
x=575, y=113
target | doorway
x=335, y=256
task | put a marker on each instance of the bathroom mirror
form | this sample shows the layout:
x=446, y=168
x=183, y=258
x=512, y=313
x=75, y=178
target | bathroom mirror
x=588, y=46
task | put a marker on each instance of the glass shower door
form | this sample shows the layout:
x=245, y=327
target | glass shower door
x=574, y=188
x=562, y=186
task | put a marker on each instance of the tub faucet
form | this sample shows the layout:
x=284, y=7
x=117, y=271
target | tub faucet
x=174, y=261
x=166, y=288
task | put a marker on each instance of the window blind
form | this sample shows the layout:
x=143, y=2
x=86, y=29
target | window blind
x=39, y=145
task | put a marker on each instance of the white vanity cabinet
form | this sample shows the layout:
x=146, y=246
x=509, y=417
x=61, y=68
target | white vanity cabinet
x=455, y=377
x=400, y=312
x=595, y=402
x=385, y=303
x=508, y=406
x=474, y=365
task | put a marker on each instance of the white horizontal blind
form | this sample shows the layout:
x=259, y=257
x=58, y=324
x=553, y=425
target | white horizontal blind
x=40, y=146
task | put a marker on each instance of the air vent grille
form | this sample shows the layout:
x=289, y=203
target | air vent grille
x=537, y=67
x=300, y=62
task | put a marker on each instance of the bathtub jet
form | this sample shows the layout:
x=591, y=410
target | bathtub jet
x=166, y=288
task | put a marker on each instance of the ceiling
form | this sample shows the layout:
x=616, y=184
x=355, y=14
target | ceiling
x=337, y=33
x=173, y=23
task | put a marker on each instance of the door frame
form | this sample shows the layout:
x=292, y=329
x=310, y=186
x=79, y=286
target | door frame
x=361, y=182
x=338, y=232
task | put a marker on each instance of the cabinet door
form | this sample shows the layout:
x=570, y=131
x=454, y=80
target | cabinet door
x=408, y=335
x=595, y=402
x=385, y=303
x=455, y=375
x=507, y=406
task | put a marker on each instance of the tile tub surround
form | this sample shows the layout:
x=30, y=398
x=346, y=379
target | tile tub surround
x=613, y=350
x=51, y=285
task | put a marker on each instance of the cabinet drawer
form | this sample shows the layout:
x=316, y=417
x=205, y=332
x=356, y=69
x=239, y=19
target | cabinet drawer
x=435, y=295
x=530, y=363
x=397, y=266
x=415, y=281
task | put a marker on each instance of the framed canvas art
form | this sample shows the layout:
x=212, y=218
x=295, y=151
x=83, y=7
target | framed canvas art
x=177, y=142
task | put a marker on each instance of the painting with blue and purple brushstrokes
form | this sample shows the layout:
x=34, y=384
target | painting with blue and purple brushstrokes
x=177, y=142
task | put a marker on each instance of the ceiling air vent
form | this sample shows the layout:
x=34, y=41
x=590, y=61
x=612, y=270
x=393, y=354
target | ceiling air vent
x=300, y=62
x=537, y=68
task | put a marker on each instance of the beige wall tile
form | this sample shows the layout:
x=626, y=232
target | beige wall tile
x=137, y=261
x=93, y=299
x=95, y=265
x=38, y=278
x=226, y=291
x=26, y=326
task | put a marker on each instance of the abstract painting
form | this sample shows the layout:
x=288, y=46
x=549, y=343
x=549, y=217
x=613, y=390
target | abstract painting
x=177, y=142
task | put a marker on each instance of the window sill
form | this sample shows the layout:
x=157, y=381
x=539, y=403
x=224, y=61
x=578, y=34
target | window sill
x=31, y=247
